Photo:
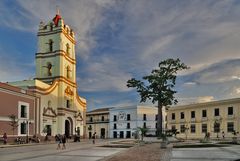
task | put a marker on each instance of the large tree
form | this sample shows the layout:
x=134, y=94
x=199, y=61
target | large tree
x=158, y=86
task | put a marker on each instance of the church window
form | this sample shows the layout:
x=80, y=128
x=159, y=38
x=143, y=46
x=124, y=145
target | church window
x=67, y=49
x=68, y=71
x=50, y=45
x=68, y=104
x=49, y=69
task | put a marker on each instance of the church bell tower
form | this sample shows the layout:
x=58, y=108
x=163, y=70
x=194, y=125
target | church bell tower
x=55, y=58
x=56, y=79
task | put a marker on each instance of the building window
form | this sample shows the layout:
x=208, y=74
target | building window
x=204, y=128
x=91, y=119
x=68, y=71
x=193, y=114
x=156, y=125
x=182, y=128
x=193, y=128
x=144, y=125
x=173, y=116
x=230, y=110
x=204, y=113
x=156, y=117
x=144, y=117
x=49, y=69
x=23, y=128
x=68, y=104
x=182, y=115
x=115, y=118
x=128, y=117
x=102, y=118
x=216, y=112
x=114, y=126
x=50, y=45
x=128, y=125
x=216, y=127
x=173, y=127
x=67, y=49
x=230, y=127
x=23, y=113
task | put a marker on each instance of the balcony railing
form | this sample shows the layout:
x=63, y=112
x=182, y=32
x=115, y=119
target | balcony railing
x=98, y=121
x=204, y=119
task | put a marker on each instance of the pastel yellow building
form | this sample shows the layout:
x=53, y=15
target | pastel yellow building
x=218, y=118
x=61, y=109
x=98, y=121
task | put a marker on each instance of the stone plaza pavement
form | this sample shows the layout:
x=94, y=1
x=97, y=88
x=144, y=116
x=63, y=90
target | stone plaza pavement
x=83, y=151
x=86, y=151
x=230, y=153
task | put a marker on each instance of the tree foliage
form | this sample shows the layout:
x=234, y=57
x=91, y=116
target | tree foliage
x=159, y=85
x=13, y=122
x=161, y=82
x=143, y=131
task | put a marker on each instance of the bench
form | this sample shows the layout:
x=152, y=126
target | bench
x=19, y=141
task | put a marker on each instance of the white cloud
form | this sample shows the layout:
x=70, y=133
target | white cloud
x=103, y=75
x=224, y=71
x=193, y=100
x=157, y=46
x=200, y=33
x=205, y=99
x=189, y=84
x=83, y=16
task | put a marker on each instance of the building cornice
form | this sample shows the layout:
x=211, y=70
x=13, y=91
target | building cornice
x=201, y=105
x=60, y=30
x=55, y=54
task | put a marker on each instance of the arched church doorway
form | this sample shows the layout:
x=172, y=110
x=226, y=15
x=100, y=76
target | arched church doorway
x=68, y=127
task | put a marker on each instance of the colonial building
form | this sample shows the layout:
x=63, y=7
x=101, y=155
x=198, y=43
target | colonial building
x=216, y=118
x=61, y=109
x=18, y=111
x=98, y=121
x=125, y=121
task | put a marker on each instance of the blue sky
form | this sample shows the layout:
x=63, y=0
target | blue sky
x=121, y=39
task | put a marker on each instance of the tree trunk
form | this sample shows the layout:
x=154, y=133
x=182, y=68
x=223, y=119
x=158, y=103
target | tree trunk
x=159, y=119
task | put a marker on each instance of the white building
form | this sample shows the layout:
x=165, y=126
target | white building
x=124, y=121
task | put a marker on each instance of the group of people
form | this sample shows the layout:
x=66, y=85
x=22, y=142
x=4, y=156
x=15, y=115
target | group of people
x=61, y=139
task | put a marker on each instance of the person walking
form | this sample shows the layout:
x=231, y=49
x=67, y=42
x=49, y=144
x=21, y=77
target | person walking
x=64, y=139
x=5, y=138
x=94, y=137
x=223, y=135
x=58, y=141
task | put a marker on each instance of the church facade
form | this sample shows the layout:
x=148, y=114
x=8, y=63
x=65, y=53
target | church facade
x=60, y=109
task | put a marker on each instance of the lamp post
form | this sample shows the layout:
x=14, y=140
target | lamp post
x=186, y=128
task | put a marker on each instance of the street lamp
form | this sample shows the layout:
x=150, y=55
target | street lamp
x=186, y=128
